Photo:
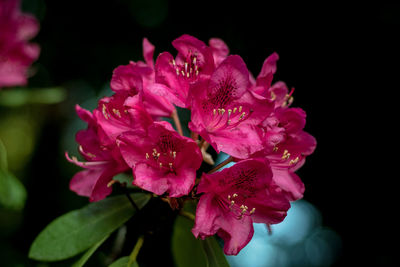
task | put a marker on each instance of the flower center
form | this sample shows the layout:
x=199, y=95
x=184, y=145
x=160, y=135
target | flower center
x=164, y=153
x=189, y=69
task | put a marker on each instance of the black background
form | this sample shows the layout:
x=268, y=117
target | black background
x=340, y=59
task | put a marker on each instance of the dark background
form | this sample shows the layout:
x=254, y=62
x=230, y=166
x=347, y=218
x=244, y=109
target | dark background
x=340, y=59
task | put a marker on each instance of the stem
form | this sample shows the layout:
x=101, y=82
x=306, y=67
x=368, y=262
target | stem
x=135, y=251
x=222, y=164
x=131, y=200
x=177, y=122
x=201, y=143
x=194, y=136
x=187, y=215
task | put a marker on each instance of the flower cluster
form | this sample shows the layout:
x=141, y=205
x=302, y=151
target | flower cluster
x=16, y=54
x=248, y=118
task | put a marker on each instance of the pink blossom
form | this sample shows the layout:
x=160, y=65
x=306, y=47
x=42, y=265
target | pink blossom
x=161, y=159
x=118, y=114
x=219, y=50
x=225, y=112
x=193, y=63
x=236, y=197
x=286, y=147
x=16, y=54
x=102, y=162
x=139, y=78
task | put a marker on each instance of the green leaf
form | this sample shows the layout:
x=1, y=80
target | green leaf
x=78, y=230
x=124, y=178
x=123, y=262
x=22, y=96
x=215, y=255
x=3, y=157
x=12, y=191
x=85, y=257
x=186, y=249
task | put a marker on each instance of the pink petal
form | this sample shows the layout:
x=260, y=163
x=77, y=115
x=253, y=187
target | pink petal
x=220, y=50
x=125, y=78
x=148, y=52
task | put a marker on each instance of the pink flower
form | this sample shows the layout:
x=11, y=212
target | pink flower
x=236, y=197
x=16, y=54
x=286, y=147
x=194, y=62
x=139, y=78
x=225, y=112
x=219, y=50
x=118, y=114
x=161, y=159
x=102, y=162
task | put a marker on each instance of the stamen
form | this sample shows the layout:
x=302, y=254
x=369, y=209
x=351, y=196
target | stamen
x=187, y=74
x=241, y=116
x=229, y=112
x=222, y=111
x=170, y=166
x=234, y=110
x=116, y=112
x=240, y=109
x=111, y=183
x=234, y=195
x=275, y=148
x=197, y=72
x=105, y=114
x=214, y=111
x=174, y=154
x=177, y=71
x=286, y=154
x=183, y=73
x=294, y=161
x=186, y=67
x=273, y=96
x=160, y=165
x=173, y=62
x=147, y=156
x=194, y=60
x=252, y=211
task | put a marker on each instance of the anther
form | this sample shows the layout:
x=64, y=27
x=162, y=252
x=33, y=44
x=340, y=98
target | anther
x=252, y=210
x=174, y=154
x=116, y=112
x=294, y=161
x=241, y=116
x=275, y=148
x=234, y=110
x=286, y=154
x=214, y=111
x=234, y=195
x=105, y=112
x=147, y=156
x=183, y=73
x=222, y=111
x=240, y=109
x=194, y=61
x=160, y=165
x=197, y=72
x=186, y=67
x=173, y=62
x=170, y=166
